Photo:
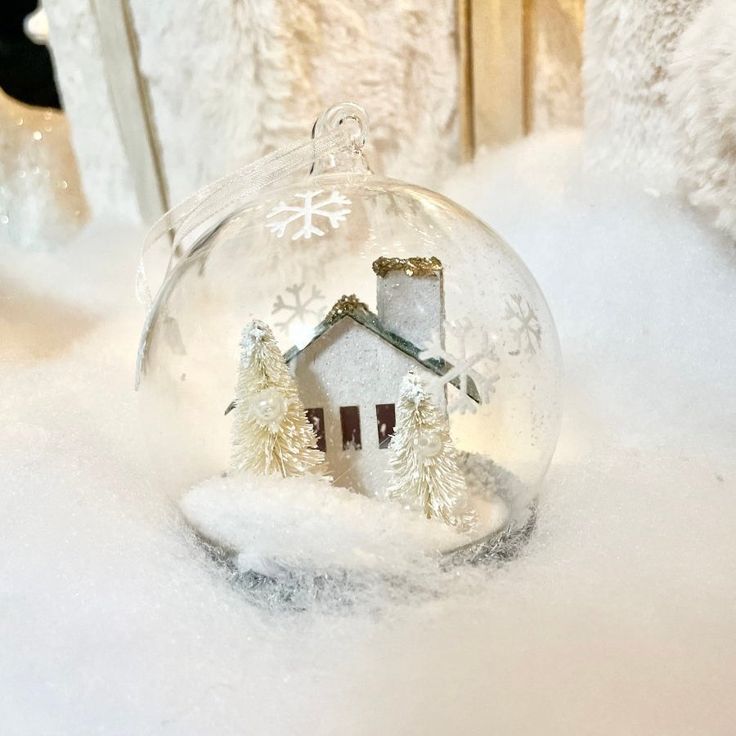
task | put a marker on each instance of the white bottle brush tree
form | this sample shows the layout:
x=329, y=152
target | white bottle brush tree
x=271, y=433
x=423, y=462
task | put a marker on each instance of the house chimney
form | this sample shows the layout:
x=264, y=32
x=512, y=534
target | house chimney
x=410, y=298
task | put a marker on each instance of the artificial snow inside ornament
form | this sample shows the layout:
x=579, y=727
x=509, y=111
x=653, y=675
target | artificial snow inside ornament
x=396, y=393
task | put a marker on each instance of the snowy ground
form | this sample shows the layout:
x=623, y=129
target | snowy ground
x=275, y=525
x=620, y=617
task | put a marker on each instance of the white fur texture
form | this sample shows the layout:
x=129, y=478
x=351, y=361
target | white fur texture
x=618, y=619
x=702, y=101
x=660, y=90
x=230, y=81
x=75, y=47
x=628, y=49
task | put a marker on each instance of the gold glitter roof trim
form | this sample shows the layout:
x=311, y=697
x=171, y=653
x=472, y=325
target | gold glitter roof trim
x=345, y=305
x=410, y=266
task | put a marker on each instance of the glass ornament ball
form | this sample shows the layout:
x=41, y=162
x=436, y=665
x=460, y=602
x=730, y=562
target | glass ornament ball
x=362, y=278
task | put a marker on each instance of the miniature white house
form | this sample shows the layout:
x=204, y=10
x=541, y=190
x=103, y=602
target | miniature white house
x=349, y=373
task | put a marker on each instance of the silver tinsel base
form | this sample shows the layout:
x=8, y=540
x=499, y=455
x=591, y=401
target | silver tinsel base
x=299, y=590
x=296, y=584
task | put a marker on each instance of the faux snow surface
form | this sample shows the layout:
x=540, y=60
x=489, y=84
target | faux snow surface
x=619, y=618
x=298, y=523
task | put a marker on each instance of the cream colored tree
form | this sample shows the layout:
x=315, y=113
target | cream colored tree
x=271, y=433
x=423, y=462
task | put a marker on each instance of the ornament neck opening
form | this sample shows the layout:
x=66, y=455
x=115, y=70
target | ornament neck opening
x=354, y=118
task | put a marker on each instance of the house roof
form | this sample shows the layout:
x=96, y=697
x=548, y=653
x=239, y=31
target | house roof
x=351, y=307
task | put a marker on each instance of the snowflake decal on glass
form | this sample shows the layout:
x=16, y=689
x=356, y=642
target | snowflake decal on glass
x=297, y=308
x=300, y=313
x=524, y=325
x=332, y=208
x=471, y=362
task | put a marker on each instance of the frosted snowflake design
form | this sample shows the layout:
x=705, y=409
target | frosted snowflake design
x=296, y=306
x=524, y=325
x=470, y=357
x=332, y=208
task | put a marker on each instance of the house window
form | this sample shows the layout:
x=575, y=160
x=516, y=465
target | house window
x=350, y=423
x=317, y=418
x=386, y=423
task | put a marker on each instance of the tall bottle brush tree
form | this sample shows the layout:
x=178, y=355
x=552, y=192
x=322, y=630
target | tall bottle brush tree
x=271, y=433
x=423, y=463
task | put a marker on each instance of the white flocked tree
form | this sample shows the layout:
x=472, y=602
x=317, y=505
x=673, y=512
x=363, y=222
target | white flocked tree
x=423, y=462
x=271, y=433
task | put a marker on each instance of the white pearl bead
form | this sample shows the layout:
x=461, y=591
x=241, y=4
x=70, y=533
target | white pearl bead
x=269, y=406
x=428, y=444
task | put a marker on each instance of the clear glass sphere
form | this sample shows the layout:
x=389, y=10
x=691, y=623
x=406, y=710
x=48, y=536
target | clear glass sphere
x=438, y=290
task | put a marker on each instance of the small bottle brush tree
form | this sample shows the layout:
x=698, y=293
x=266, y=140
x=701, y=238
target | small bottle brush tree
x=271, y=433
x=423, y=462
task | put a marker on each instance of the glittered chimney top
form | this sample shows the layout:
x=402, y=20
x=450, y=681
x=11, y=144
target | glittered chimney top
x=410, y=298
x=409, y=266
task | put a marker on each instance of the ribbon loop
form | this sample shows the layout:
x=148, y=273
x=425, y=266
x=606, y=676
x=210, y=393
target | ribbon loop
x=339, y=130
x=185, y=223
